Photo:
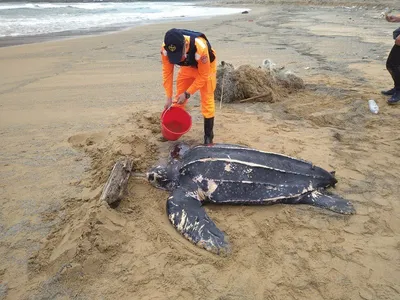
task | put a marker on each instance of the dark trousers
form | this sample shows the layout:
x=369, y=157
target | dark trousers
x=393, y=65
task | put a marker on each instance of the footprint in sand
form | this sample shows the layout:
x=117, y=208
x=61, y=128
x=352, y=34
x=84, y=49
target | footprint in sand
x=86, y=139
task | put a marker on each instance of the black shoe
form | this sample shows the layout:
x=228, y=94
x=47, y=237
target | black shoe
x=389, y=92
x=208, y=130
x=395, y=98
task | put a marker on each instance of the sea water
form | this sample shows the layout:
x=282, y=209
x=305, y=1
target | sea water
x=40, y=18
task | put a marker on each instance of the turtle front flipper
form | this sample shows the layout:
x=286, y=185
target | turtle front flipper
x=328, y=201
x=191, y=220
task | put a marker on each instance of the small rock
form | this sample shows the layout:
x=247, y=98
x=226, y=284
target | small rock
x=245, y=12
x=365, y=294
x=337, y=136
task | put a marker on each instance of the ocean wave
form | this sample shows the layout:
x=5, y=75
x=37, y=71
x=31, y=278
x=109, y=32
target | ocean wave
x=83, y=5
x=44, y=18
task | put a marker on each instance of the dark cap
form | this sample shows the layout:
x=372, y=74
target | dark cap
x=174, y=42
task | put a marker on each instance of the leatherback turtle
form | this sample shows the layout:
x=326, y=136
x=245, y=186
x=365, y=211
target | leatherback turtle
x=234, y=174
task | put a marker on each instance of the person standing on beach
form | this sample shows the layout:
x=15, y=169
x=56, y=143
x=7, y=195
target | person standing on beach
x=197, y=60
x=393, y=64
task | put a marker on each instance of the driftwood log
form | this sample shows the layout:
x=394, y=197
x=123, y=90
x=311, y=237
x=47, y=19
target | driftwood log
x=255, y=97
x=116, y=184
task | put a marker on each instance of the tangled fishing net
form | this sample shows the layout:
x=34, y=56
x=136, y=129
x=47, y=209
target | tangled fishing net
x=266, y=83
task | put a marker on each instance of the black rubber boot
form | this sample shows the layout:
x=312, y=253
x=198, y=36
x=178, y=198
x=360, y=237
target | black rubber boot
x=208, y=130
x=388, y=92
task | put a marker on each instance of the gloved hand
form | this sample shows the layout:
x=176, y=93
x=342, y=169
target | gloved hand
x=168, y=103
x=391, y=18
x=181, y=98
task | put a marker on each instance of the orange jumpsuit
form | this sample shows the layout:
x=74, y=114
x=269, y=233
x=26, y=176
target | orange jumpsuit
x=192, y=79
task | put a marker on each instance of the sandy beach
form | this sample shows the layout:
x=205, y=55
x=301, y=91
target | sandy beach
x=71, y=108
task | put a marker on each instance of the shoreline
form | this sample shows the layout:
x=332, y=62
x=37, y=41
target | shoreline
x=240, y=4
x=10, y=41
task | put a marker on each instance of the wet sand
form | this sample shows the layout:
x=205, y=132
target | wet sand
x=71, y=108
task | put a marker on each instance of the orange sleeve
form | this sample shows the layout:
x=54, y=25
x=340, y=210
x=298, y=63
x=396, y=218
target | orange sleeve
x=203, y=66
x=167, y=73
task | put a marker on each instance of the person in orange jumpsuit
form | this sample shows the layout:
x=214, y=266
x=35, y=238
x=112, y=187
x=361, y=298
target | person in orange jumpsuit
x=197, y=60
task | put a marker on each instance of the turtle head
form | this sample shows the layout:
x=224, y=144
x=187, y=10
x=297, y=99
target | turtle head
x=161, y=177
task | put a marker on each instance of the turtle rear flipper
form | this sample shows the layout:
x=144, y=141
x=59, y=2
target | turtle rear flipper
x=190, y=219
x=328, y=201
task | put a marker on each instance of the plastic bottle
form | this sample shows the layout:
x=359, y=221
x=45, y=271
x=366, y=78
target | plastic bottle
x=373, y=107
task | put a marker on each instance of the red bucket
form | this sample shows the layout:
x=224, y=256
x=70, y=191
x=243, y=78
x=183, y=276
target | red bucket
x=175, y=122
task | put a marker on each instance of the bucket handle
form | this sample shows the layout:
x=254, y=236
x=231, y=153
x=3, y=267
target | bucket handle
x=165, y=110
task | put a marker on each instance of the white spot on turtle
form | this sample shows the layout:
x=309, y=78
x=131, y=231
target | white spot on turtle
x=212, y=186
x=201, y=195
x=308, y=189
x=182, y=223
x=245, y=181
x=192, y=195
x=198, y=178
